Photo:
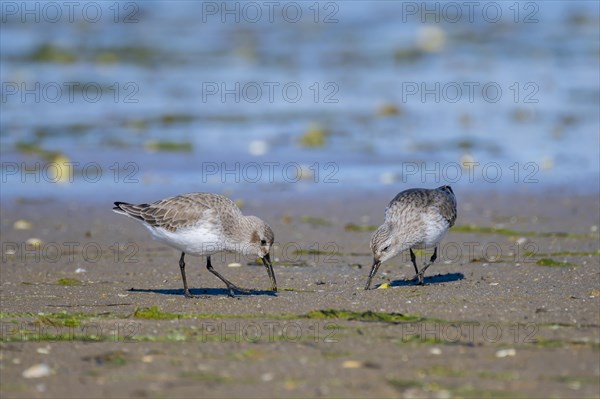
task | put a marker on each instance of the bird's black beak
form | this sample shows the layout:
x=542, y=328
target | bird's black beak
x=376, y=264
x=267, y=261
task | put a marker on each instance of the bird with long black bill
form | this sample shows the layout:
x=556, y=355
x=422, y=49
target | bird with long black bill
x=204, y=224
x=416, y=218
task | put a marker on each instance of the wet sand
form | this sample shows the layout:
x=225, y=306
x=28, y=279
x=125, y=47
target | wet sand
x=510, y=309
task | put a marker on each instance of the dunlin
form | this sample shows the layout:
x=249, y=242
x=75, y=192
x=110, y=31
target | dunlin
x=415, y=218
x=204, y=224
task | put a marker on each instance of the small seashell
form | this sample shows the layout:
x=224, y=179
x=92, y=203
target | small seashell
x=43, y=351
x=37, y=371
x=506, y=352
x=352, y=364
x=467, y=161
x=435, y=351
x=22, y=224
x=59, y=169
x=431, y=38
x=388, y=178
x=34, y=242
x=258, y=147
x=547, y=163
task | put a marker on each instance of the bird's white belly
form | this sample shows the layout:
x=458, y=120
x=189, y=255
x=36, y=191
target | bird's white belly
x=434, y=232
x=197, y=240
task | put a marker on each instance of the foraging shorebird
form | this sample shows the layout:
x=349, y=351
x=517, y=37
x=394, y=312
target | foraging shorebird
x=415, y=218
x=204, y=224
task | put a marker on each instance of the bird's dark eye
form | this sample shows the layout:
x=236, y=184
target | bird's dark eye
x=386, y=248
x=263, y=242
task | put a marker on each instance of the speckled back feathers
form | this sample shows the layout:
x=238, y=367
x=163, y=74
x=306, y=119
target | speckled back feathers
x=413, y=202
x=184, y=211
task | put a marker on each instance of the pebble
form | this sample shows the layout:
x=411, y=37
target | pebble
x=352, y=364
x=43, y=351
x=258, y=147
x=547, y=163
x=431, y=38
x=22, y=225
x=37, y=371
x=443, y=394
x=467, y=161
x=34, y=242
x=435, y=351
x=234, y=264
x=521, y=240
x=506, y=353
x=387, y=178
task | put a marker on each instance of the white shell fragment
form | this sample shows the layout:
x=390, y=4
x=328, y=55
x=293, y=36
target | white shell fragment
x=37, y=371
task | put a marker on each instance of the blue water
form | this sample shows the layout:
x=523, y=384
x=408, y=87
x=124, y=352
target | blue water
x=228, y=92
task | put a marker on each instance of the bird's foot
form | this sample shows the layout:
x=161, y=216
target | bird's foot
x=419, y=278
x=232, y=288
x=188, y=294
x=244, y=290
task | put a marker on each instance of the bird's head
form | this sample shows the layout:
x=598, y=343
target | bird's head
x=384, y=244
x=261, y=241
x=261, y=237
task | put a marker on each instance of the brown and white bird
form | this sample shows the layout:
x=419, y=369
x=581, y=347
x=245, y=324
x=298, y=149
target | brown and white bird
x=415, y=218
x=204, y=224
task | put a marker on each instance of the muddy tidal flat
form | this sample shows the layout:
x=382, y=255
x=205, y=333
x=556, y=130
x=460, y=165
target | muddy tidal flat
x=92, y=307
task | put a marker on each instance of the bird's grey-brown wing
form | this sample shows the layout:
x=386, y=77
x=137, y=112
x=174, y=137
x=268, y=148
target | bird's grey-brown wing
x=411, y=201
x=417, y=200
x=445, y=201
x=181, y=211
x=405, y=212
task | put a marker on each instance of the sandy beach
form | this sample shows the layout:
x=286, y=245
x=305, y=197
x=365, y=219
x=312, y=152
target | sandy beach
x=311, y=116
x=95, y=307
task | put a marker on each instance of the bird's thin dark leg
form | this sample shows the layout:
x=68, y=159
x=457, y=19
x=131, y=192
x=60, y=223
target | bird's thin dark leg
x=228, y=283
x=433, y=258
x=186, y=291
x=413, y=259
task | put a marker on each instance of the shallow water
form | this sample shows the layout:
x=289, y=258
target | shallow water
x=136, y=100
